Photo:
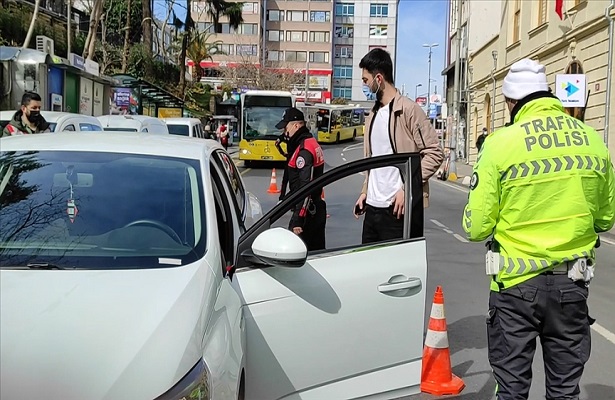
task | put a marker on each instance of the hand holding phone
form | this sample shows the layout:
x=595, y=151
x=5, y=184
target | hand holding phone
x=359, y=208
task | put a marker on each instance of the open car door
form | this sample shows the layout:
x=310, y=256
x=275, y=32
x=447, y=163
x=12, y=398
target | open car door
x=336, y=324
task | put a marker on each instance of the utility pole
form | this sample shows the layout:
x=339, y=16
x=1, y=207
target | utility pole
x=416, y=90
x=69, y=11
x=307, y=80
x=430, y=46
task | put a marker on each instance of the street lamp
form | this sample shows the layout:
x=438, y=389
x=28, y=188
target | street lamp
x=416, y=90
x=494, y=54
x=430, y=46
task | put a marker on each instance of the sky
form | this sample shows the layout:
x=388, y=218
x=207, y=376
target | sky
x=419, y=22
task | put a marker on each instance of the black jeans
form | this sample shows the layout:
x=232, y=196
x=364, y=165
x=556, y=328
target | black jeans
x=313, y=234
x=553, y=308
x=381, y=224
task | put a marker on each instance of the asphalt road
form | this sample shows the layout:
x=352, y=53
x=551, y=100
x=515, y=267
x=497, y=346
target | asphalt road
x=458, y=266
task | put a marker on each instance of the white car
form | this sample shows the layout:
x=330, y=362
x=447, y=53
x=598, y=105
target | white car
x=191, y=127
x=133, y=123
x=129, y=271
x=61, y=121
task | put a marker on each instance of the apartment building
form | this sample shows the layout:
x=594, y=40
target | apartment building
x=360, y=26
x=578, y=43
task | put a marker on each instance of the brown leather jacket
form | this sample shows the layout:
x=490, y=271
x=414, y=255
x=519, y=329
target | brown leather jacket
x=410, y=131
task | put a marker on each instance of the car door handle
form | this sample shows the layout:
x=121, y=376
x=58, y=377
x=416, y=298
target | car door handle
x=393, y=286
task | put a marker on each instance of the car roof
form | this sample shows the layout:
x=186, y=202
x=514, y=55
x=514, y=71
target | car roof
x=182, y=121
x=113, y=142
x=50, y=116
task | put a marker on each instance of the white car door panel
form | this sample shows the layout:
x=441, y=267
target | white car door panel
x=346, y=324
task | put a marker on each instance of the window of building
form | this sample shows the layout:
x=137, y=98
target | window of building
x=342, y=72
x=247, y=50
x=275, y=36
x=378, y=31
x=296, y=56
x=344, y=31
x=379, y=10
x=226, y=28
x=319, y=56
x=200, y=7
x=320, y=16
x=228, y=49
x=296, y=36
x=248, y=29
x=343, y=92
x=320, y=37
x=296, y=16
x=377, y=47
x=344, y=9
x=250, y=8
x=516, y=36
x=487, y=108
x=205, y=27
x=275, y=15
x=542, y=11
x=274, y=55
x=343, y=51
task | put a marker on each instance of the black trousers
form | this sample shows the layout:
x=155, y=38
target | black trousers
x=552, y=308
x=313, y=234
x=381, y=224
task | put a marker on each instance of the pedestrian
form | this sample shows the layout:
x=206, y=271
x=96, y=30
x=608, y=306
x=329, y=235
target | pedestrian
x=396, y=124
x=28, y=119
x=544, y=187
x=481, y=139
x=306, y=162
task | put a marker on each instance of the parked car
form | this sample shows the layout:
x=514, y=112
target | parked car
x=130, y=273
x=133, y=123
x=191, y=127
x=60, y=121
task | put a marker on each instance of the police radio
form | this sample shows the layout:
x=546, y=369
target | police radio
x=492, y=258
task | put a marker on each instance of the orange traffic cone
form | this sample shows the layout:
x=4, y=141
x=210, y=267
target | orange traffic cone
x=273, y=184
x=437, y=377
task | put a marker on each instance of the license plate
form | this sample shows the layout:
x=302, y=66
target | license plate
x=266, y=158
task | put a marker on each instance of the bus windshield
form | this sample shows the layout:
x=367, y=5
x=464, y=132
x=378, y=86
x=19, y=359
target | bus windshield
x=261, y=114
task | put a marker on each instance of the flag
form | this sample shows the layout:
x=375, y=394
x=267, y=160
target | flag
x=559, y=4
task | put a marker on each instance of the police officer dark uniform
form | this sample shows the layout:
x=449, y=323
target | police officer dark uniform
x=542, y=189
x=305, y=162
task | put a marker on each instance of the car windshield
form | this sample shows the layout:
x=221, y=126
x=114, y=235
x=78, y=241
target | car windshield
x=52, y=126
x=100, y=210
x=120, y=129
x=182, y=130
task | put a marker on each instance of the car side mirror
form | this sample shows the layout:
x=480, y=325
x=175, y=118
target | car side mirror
x=278, y=247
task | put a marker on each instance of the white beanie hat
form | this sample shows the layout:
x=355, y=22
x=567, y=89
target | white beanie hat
x=524, y=78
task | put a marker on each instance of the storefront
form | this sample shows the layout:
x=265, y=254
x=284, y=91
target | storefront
x=131, y=95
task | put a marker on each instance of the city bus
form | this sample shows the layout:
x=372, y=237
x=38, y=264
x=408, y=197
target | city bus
x=260, y=111
x=336, y=123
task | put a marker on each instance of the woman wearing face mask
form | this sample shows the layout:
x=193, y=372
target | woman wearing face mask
x=28, y=119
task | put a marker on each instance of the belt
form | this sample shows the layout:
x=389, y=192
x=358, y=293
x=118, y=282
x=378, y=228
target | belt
x=560, y=269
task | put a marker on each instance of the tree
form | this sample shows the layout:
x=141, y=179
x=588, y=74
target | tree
x=201, y=48
x=126, y=39
x=26, y=42
x=90, y=41
x=147, y=31
x=340, y=100
x=214, y=9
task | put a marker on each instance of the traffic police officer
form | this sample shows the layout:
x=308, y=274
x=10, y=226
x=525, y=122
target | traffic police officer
x=544, y=187
x=305, y=162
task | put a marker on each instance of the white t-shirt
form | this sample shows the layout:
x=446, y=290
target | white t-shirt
x=384, y=182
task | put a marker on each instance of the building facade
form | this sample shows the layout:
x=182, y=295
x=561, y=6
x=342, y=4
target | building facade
x=360, y=26
x=576, y=44
x=322, y=40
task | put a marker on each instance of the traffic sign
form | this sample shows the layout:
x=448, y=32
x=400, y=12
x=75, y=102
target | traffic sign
x=571, y=89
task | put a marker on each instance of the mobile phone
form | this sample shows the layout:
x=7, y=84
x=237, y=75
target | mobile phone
x=358, y=210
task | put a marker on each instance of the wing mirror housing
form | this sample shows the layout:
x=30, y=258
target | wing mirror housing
x=278, y=247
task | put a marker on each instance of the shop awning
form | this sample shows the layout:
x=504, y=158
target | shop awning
x=149, y=91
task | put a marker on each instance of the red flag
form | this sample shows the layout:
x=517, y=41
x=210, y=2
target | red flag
x=559, y=4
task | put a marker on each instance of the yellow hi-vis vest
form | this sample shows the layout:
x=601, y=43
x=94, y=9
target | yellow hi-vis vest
x=544, y=187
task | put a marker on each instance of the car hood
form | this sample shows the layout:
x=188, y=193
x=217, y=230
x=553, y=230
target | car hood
x=129, y=334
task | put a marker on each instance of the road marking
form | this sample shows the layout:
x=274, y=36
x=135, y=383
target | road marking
x=343, y=159
x=605, y=333
x=449, y=231
x=352, y=147
x=607, y=241
x=245, y=170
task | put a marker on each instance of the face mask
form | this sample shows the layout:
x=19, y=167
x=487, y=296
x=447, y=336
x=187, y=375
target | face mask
x=34, y=116
x=368, y=93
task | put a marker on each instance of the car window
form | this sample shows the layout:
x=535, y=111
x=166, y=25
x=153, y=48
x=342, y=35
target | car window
x=182, y=130
x=144, y=130
x=88, y=210
x=89, y=127
x=232, y=179
x=70, y=127
x=224, y=217
x=110, y=128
